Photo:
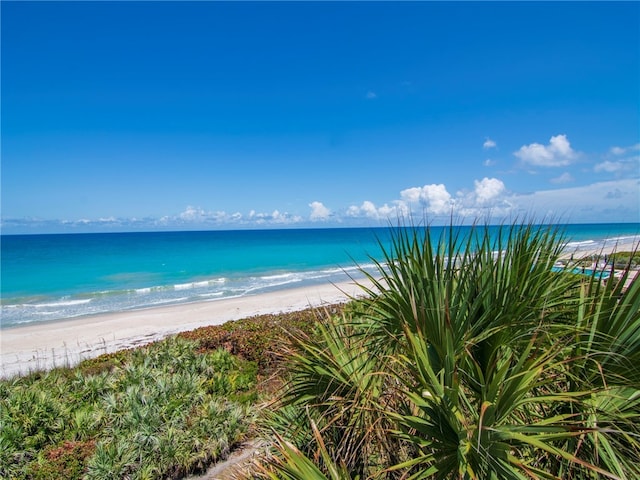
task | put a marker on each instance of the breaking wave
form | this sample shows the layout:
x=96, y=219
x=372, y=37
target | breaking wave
x=23, y=311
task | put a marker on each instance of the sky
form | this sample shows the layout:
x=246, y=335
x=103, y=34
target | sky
x=126, y=116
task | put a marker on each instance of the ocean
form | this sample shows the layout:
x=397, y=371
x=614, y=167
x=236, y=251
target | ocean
x=52, y=277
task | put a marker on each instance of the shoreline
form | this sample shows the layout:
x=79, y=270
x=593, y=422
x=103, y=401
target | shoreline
x=581, y=250
x=65, y=343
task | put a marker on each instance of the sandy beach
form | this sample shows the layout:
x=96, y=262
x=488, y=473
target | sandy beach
x=629, y=244
x=67, y=342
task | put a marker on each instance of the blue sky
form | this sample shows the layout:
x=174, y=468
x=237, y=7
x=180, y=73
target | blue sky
x=160, y=115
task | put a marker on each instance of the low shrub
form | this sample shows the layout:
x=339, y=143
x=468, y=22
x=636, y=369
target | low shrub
x=146, y=413
x=624, y=259
x=260, y=339
x=67, y=460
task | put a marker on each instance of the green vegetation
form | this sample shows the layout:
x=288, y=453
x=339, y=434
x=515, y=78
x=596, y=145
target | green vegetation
x=625, y=259
x=156, y=412
x=260, y=339
x=467, y=364
x=617, y=260
x=161, y=411
x=460, y=363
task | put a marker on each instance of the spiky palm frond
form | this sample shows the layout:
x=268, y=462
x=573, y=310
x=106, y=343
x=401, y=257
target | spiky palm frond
x=484, y=362
x=482, y=285
x=338, y=384
x=605, y=358
x=289, y=463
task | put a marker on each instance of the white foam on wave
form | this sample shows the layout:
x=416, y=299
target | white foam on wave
x=145, y=290
x=199, y=284
x=211, y=289
x=333, y=274
x=259, y=285
x=579, y=245
x=61, y=303
x=352, y=269
x=209, y=295
x=277, y=276
x=630, y=239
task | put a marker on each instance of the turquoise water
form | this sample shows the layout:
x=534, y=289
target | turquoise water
x=52, y=277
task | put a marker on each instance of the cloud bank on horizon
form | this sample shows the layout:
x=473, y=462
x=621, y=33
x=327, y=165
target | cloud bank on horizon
x=616, y=199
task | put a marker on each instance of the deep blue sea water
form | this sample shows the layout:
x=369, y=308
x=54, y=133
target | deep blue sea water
x=52, y=277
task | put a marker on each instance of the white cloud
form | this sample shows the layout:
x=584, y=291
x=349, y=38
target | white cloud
x=194, y=216
x=566, y=177
x=613, y=201
x=488, y=189
x=371, y=95
x=199, y=215
x=192, y=213
x=557, y=154
x=434, y=198
x=319, y=211
x=386, y=212
x=488, y=195
x=620, y=166
x=276, y=217
x=488, y=198
x=617, y=151
x=352, y=211
x=390, y=211
x=623, y=150
x=621, y=161
x=609, y=167
x=489, y=163
x=369, y=209
x=488, y=143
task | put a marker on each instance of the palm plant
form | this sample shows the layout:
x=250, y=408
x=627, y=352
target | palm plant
x=471, y=358
x=338, y=387
x=606, y=359
x=292, y=464
x=112, y=460
x=149, y=416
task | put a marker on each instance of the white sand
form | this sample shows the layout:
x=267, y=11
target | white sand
x=67, y=342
